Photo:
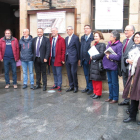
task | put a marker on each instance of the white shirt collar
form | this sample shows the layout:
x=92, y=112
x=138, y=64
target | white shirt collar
x=71, y=35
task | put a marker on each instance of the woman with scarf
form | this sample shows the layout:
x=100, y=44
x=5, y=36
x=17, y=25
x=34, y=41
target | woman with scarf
x=132, y=87
x=97, y=74
x=110, y=63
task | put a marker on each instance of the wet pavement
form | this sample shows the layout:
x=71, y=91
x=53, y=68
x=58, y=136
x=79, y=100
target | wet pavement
x=38, y=115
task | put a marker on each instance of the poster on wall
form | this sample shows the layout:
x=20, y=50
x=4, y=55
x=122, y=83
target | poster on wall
x=48, y=20
x=109, y=14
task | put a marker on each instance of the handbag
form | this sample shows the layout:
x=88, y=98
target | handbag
x=119, y=67
x=101, y=68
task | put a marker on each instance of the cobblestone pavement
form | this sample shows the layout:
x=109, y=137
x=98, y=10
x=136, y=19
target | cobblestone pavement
x=38, y=115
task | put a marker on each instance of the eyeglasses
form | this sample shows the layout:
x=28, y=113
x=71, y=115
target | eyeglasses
x=69, y=29
x=127, y=30
x=86, y=28
x=136, y=37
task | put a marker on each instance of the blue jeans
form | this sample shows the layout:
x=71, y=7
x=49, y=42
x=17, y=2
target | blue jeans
x=7, y=64
x=86, y=73
x=25, y=66
x=113, y=84
x=57, y=74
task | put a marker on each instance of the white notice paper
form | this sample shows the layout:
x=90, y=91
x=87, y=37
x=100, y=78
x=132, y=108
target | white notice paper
x=93, y=51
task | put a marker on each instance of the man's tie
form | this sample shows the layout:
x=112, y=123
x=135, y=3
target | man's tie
x=125, y=45
x=38, y=46
x=86, y=37
x=53, y=48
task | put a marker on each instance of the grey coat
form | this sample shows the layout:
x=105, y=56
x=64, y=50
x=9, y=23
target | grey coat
x=125, y=54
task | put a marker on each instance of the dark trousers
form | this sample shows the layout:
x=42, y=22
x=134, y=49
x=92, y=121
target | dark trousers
x=86, y=73
x=57, y=73
x=40, y=68
x=125, y=77
x=7, y=64
x=134, y=108
x=72, y=73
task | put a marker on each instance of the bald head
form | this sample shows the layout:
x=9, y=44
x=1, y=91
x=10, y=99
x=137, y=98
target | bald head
x=26, y=33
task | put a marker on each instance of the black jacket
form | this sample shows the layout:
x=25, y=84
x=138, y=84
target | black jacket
x=85, y=46
x=44, y=49
x=73, y=49
x=26, y=49
x=95, y=73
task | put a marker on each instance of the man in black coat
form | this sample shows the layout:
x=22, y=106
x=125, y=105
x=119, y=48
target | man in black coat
x=72, y=58
x=85, y=57
x=41, y=46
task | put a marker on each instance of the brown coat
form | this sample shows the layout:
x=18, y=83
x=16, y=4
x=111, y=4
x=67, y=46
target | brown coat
x=135, y=88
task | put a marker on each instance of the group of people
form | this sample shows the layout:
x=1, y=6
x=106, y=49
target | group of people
x=58, y=51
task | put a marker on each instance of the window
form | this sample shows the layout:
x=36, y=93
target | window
x=125, y=16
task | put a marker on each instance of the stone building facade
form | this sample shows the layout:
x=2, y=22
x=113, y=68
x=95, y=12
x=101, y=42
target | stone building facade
x=83, y=16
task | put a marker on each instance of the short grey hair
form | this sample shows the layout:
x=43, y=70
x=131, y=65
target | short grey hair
x=70, y=27
x=116, y=34
x=55, y=28
x=132, y=27
x=26, y=29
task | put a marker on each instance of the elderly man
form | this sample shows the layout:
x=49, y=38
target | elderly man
x=85, y=57
x=72, y=58
x=26, y=57
x=57, y=57
x=127, y=45
x=41, y=52
x=9, y=54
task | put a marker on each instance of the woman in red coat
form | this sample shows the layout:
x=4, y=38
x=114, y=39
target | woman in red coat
x=132, y=87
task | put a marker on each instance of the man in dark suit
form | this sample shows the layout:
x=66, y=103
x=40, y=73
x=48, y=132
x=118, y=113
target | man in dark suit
x=127, y=45
x=72, y=58
x=85, y=57
x=41, y=50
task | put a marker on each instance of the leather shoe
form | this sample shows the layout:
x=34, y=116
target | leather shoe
x=32, y=86
x=70, y=89
x=37, y=87
x=138, y=123
x=125, y=102
x=113, y=102
x=96, y=97
x=108, y=100
x=92, y=95
x=89, y=92
x=129, y=120
x=44, y=88
x=59, y=89
x=24, y=86
x=85, y=90
x=75, y=90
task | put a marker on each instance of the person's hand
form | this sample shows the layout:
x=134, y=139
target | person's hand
x=79, y=63
x=107, y=55
x=45, y=60
x=63, y=62
x=130, y=61
x=1, y=60
x=91, y=57
x=17, y=60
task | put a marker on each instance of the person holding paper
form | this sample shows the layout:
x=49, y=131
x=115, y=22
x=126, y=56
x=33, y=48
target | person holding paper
x=97, y=74
x=85, y=57
x=110, y=63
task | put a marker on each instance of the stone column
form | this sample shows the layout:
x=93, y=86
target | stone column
x=23, y=16
x=134, y=13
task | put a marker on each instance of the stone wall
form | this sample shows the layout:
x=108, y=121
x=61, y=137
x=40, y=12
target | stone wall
x=83, y=17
